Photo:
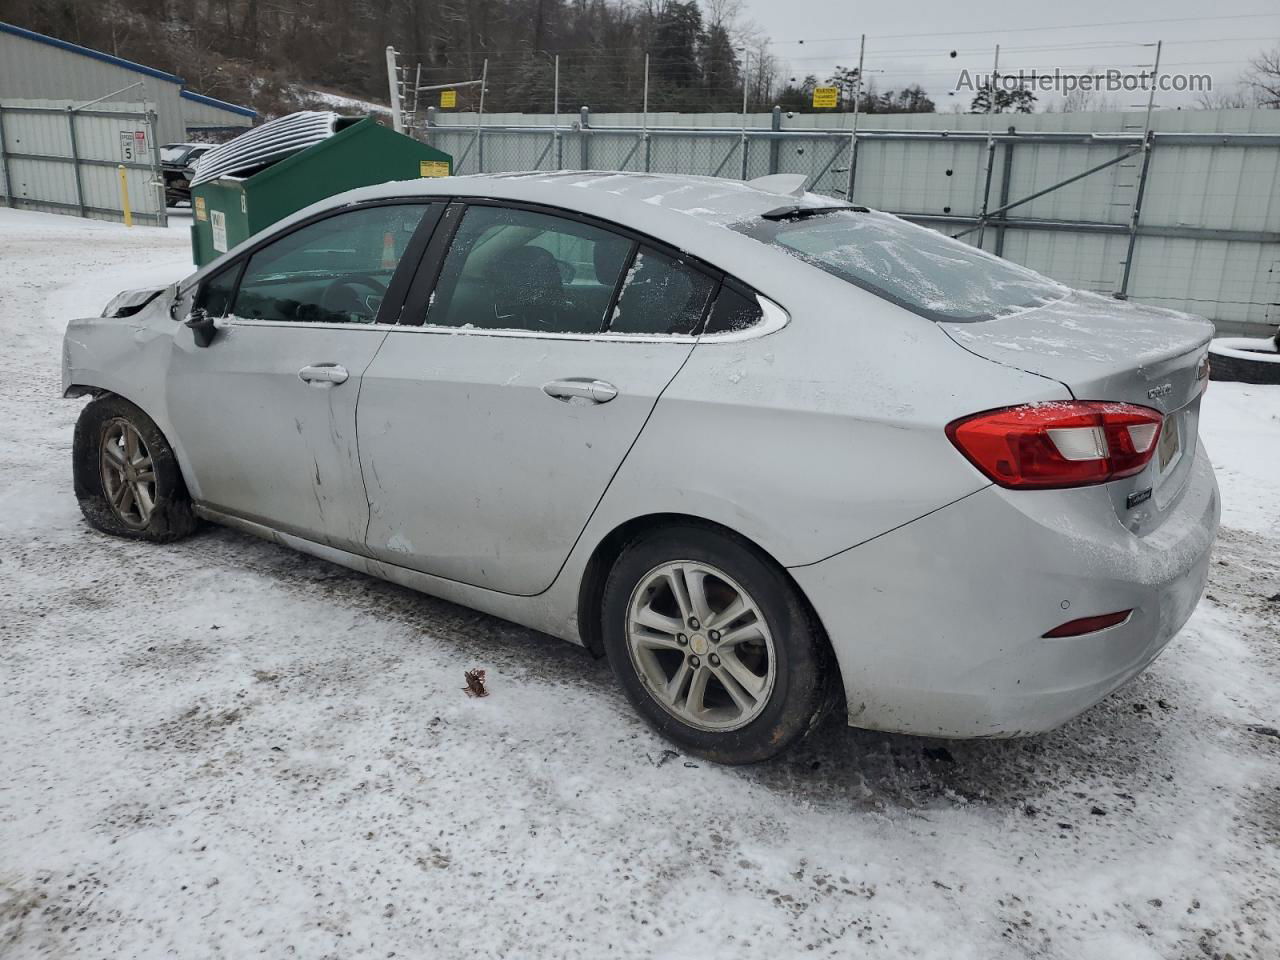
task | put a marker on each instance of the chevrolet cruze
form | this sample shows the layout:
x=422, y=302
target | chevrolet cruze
x=766, y=451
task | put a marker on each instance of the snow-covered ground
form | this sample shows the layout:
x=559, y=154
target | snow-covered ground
x=222, y=749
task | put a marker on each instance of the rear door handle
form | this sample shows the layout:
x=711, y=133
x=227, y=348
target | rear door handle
x=323, y=374
x=580, y=388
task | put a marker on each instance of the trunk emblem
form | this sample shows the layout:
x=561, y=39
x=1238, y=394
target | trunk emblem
x=1142, y=496
x=1161, y=391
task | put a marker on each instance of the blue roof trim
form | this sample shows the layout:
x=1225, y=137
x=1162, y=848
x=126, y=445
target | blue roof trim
x=220, y=104
x=86, y=52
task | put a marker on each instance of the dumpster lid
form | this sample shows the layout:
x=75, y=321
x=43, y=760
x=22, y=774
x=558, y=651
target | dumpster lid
x=262, y=146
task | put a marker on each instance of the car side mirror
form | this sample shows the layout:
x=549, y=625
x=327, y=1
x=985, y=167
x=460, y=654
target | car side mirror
x=202, y=327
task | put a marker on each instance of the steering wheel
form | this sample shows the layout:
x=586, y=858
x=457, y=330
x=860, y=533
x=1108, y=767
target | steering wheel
x=357, y=295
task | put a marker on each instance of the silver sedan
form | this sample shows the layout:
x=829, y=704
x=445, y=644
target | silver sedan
x=768, y=452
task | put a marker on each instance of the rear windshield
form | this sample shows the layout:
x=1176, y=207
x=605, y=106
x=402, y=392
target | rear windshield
x=914, y=267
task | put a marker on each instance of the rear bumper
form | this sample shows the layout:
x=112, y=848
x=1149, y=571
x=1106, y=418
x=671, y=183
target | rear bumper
x=938, y=625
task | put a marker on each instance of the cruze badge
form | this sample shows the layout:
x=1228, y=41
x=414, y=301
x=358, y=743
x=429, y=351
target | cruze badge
x=1161, y=391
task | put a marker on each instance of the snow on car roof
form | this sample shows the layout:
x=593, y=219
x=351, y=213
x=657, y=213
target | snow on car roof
x=712, y=199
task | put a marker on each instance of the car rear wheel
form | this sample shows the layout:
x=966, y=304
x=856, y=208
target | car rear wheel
x=126, y=477
x=713, y=645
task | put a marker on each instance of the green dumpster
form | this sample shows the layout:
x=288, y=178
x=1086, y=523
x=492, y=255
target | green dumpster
x=229, y=210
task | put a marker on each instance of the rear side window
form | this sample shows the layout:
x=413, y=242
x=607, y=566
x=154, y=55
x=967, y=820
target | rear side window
x=735, y=309
x=661, y=296
x=920, y=269
x=523, y=270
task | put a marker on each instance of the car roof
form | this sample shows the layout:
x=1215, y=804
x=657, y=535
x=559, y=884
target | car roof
x=710, y=199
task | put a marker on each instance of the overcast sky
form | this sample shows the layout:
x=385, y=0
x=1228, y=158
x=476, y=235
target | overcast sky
x=912, y=41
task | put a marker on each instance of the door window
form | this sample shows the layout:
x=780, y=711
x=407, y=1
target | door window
x=661, y=295
x=215, y=293
x=520, y=270
x=336, y=270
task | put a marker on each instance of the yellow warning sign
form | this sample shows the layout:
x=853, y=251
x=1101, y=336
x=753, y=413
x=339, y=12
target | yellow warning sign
x=201, y=214
x=826, y=96
x=448, y=98
x=433, y=168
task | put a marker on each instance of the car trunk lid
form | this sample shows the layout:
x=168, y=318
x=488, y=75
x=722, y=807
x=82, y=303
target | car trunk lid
x=1112, y=350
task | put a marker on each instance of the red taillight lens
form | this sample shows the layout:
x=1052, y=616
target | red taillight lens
x=1069, y=444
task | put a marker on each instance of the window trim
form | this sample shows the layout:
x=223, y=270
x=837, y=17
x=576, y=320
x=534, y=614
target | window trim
x=435, y=237
x=407, y=266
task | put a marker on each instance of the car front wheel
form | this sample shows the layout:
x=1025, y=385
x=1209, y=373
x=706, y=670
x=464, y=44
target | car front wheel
x=126, y=477
x=713, y=646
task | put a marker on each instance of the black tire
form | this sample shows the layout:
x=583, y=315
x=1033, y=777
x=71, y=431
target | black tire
x=1243, y=369
x=806, y=679
x=171, y=517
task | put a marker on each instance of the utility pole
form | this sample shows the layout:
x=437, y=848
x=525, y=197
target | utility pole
x=853, y=135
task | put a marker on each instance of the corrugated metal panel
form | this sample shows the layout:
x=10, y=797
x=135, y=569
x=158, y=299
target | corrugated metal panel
x=41, y=67
x=64, y=161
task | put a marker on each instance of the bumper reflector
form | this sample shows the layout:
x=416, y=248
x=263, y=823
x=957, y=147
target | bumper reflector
x=1077, y=628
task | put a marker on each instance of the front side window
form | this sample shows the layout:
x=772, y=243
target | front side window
x=215, y=293
x=336, y=270
x=661, y=295
x=521, y=270
x=920, y=269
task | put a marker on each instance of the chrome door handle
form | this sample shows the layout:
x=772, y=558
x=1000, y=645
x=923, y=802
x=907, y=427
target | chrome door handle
x=580, y=388
x=323, y=374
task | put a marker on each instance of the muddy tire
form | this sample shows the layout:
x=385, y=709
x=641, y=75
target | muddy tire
x=127, y=479
x=714, y=646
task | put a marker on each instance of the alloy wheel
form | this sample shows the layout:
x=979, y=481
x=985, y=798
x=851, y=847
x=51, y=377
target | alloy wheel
x=128, y=473
x=701, y=645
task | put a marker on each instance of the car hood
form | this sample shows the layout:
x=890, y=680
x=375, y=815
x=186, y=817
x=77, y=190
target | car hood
x=1099, y=347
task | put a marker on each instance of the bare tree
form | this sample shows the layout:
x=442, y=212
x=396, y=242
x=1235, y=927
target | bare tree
x=1237, y=97
x=1263, y=78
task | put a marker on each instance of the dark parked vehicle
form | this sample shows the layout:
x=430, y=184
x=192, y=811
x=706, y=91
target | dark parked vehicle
x=177, y=160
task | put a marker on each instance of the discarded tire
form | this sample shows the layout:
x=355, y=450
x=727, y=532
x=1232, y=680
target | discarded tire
x=1244, y=359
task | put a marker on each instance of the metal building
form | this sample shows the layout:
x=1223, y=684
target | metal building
x=37, y=67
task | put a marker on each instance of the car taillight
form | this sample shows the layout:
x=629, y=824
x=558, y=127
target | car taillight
x=1064, y=444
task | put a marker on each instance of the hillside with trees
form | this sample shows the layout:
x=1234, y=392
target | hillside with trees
x=271, y=53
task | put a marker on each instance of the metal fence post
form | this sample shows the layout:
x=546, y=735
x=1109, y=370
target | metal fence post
x=4, y=164
x=1006, y=174
x=746, y=72
x=584, y=138
x=157, y=171
x=991, y=149
x=644, y=114
x=75, y=160
x=1148, y=144
x=853, y=132
x=393, y=87
x=775, y=124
